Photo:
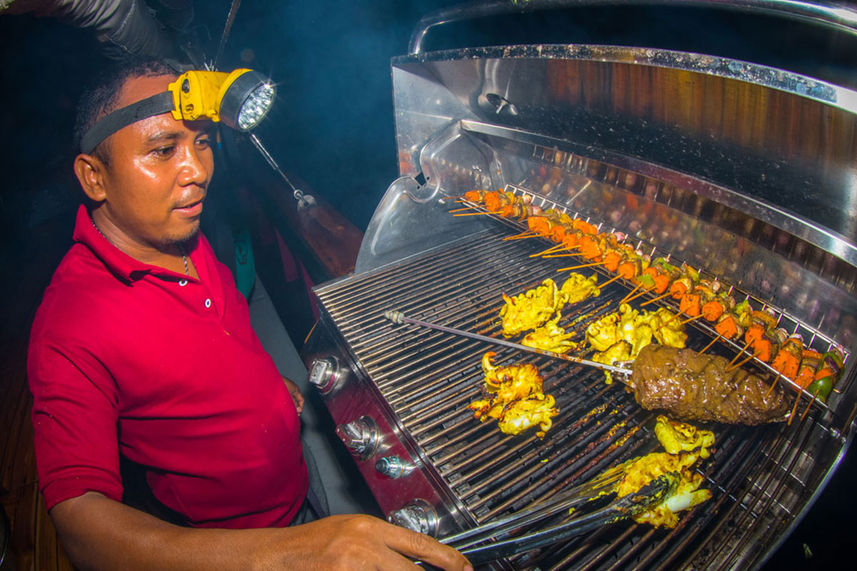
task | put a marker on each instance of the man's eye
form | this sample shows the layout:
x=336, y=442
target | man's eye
x=163, y=151
x=204, y=142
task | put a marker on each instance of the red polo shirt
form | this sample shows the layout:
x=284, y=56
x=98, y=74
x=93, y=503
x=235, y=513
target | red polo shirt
x=132, y=358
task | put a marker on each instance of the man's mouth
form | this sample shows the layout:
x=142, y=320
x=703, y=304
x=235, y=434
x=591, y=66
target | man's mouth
x=190, y=209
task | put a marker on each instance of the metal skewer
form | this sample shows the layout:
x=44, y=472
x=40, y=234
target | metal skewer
x=398, y=317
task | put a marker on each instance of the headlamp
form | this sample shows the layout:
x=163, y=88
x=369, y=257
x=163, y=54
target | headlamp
x=240, y=99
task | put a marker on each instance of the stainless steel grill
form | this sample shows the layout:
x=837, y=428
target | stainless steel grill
x=399, y=393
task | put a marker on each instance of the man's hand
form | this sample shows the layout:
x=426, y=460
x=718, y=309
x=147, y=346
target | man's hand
x=99, y=533
x=297, y=397
x=358, y=542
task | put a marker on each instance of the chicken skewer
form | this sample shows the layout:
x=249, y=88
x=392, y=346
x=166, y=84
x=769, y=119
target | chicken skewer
x=398, y=317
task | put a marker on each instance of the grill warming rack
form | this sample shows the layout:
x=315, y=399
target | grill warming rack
x=425, y=379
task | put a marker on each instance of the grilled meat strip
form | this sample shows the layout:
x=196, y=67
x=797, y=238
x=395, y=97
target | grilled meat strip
x=694, y=386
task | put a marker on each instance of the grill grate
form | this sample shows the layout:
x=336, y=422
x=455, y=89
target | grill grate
x=429, y=377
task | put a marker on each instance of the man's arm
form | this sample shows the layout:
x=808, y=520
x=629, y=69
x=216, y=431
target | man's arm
x=100, y=533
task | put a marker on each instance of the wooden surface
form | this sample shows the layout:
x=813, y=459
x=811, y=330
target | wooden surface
x=33, y=542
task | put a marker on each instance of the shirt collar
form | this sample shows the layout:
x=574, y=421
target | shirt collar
x=117, y=261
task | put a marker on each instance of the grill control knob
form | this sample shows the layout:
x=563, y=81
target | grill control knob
x=359, y=436
x=324, y=374
x=393, y=467
x=417, y=515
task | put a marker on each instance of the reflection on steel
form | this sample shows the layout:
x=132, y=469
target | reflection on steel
x=836, y=17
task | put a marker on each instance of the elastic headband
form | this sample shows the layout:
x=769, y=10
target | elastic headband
x=112, y=122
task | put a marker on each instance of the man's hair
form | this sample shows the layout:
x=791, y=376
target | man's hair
x=100, y=97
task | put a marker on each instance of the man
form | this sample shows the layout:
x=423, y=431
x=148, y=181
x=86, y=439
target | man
x=142, y=350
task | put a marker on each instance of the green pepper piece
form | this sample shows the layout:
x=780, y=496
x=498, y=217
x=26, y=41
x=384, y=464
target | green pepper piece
x=821, y=387
x=646, y=280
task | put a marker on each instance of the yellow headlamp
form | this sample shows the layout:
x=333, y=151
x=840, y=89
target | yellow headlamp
x=240, y=100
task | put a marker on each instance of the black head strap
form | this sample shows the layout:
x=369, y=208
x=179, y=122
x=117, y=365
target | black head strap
x=112, y=122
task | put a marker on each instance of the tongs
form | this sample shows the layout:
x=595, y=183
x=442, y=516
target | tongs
x=472, y=543
x=398, y=317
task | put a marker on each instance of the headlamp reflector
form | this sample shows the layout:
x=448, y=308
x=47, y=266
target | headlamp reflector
x=246, y=99
x=256, y=106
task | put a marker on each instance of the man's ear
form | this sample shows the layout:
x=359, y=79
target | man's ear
x=90, y=172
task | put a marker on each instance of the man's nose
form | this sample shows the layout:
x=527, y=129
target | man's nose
x=195, y=166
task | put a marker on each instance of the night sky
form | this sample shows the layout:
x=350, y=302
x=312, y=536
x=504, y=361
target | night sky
x=333, y=126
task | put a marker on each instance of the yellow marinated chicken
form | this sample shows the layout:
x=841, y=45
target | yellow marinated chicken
x=514, y=398
x=685, y=496
x=667, y=328
x=685, y=445
x=531, y=309
x=620, y=336
x=524, y=414
x=619, y=352
x=550, y=337
x=678, y=437
x=577, y=288
x=604, y=333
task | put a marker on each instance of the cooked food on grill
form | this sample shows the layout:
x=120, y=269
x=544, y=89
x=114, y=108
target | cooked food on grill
x=678, y=437
x=829, y=368
x=695, y=386
x=578, y=287
x=697, y=297
x=685, y=445
x=522, y=415
x=684, y=496
x=550, y=337
x=531, y=309
x=514, y=397
x=505, y=204
x=621, y=335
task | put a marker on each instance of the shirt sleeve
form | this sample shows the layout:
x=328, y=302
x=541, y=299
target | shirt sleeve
x=75, y=416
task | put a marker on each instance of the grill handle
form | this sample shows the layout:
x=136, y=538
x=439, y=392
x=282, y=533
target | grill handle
x=398, y=317
x=838, y=18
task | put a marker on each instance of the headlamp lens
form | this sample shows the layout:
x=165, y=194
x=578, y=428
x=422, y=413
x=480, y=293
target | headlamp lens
x=256, y=106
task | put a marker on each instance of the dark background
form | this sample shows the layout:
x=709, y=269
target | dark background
x=332, y=125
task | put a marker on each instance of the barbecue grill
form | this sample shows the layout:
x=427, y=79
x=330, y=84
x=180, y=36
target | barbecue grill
x=741, y=170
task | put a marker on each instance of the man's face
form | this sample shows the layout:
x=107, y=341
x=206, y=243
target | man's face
x=157, y=173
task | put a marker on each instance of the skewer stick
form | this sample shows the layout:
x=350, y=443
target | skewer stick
x=660, y=297
x=553, y=248
x=473, y=213
x=738, y=355
x=794, y=409
x=465, y=209
x=633, y=297
x=562, y=255
x=771, y=388
x=625, y=299
x=689, y=319
x=707, y=347
x=611, y=280
x=735, y=366
x=522, y=235
x=810, y=404
x=577, y=267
